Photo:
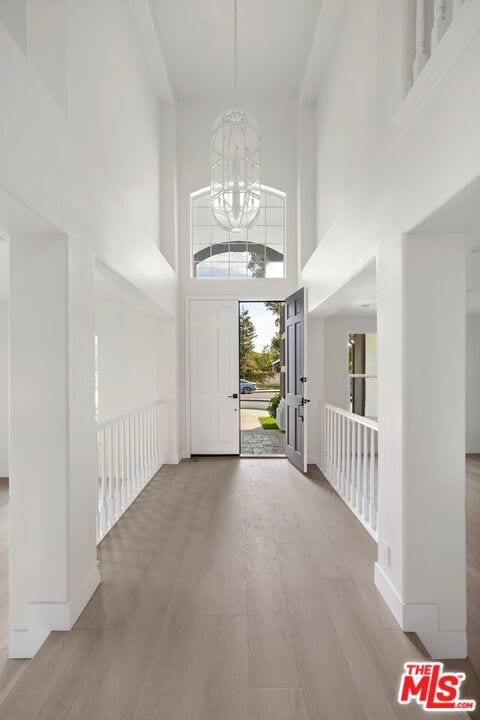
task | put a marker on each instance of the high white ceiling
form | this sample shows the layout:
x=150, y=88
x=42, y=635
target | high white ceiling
x=275, y=38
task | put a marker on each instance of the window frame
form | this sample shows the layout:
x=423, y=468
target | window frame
x=265, y=189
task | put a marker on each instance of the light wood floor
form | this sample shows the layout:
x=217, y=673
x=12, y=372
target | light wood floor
x=232, y=589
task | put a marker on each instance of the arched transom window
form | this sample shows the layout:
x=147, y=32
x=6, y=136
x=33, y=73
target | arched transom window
x=255, y=253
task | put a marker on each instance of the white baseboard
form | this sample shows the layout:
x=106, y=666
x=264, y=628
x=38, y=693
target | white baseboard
x=423, y=620
x=46, y=617
x=169, y=458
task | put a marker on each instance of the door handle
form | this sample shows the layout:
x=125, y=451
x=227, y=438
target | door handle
x=303, y=401
x=235, y=395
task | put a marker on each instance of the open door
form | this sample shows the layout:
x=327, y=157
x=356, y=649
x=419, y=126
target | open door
x=295, y=380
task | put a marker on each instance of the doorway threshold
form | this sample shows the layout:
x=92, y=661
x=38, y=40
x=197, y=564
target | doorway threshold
x=263, y=456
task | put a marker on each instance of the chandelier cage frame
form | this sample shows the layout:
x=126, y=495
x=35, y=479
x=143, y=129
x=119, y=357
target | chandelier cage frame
x=235, y=163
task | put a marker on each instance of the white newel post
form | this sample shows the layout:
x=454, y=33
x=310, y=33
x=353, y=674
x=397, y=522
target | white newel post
x=53, y=569
x=422, y=570
x=420, y=54
x=439, y=22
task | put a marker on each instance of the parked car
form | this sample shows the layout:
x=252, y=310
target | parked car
x=247, y=387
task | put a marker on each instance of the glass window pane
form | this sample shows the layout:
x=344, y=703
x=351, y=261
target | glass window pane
x=203, y=269
x=219, y=235
x=274, y=270
x=202, y=216
x=256, y=235
x=220, y=269
x=256, y=253
x=201, y=200
x=201, y=252
x=275, y=235
x=275, y=216
x=274, y=200
x=238, y=271
x=256, y=263
x=238, y=254
x=261, y=218
x=201, y=234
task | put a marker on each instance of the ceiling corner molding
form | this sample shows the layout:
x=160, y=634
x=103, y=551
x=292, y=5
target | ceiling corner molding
x=328, y=24
x=146, y=26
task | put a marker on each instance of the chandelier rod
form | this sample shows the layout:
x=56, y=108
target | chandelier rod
x=235, y=52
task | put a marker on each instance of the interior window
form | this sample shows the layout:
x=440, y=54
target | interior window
x=256, y=253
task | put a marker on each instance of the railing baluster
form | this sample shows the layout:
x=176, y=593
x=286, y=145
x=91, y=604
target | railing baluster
x=371, y=483
x=136, y=447
x=349, y=460
x=330, y=442
x=358, y=494
x=353, y=489
x=144, y=448
x=420, y=54
x=439, y=23
x=348, y=464
x=339, y=453
x=124, y=466
x=104, y=511
x=366, y=472
x=117, y=471
x=150, y=442
x=334, y=453
x=127, y=459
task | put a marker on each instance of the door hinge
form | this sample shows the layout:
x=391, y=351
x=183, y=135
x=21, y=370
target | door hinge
x=303, y=379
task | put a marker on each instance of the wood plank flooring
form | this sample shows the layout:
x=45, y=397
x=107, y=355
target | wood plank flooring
x=232, y=590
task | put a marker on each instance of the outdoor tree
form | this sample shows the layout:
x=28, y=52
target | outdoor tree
x=247, y=343
x=276, y=307
x=258, y=366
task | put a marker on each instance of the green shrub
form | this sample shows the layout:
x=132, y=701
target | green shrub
x=272, y=407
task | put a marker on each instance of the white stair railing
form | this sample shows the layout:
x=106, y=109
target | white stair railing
x=442, y=14
x=127, y=458
x=349, y=461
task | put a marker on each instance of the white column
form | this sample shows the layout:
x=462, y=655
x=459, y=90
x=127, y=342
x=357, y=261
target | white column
x=53, y=570
x=420, y=54
x=439, y=23
x=421, y=570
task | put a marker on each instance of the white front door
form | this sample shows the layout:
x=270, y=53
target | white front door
x=214, y=378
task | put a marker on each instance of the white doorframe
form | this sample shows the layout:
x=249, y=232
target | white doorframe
x=244, y=297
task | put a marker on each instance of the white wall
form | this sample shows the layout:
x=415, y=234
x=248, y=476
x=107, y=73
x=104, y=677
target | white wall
x=3, y=389
x=127, y=358
x=137, y=357
x=473, y=384
x=277, y=119
x=80, y=170
x=93, y=168
x=377, y=179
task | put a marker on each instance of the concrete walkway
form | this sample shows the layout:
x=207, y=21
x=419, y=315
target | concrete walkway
x=262, y=442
